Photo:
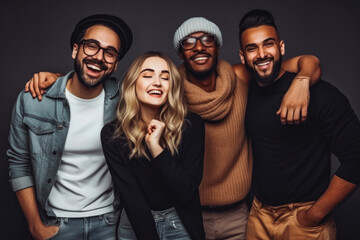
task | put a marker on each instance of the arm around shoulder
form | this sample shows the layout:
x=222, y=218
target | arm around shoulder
x=242, y=73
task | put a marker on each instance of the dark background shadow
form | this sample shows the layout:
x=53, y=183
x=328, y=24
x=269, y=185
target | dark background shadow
x=35, y=37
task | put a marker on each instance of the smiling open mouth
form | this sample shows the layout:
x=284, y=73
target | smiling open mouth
x=155, y=92
x=94, y=67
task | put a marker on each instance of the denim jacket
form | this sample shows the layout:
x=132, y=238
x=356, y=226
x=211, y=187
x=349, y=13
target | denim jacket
x=38, y=131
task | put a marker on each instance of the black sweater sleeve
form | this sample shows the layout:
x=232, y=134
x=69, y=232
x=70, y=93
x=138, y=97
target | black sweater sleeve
x=131, y=194
x=341, y=127
x=182, y=175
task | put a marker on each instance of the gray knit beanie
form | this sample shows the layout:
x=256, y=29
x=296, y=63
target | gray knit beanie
x=196, y=24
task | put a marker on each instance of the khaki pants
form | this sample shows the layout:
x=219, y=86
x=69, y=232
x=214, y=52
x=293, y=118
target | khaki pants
x=280, y=223
x=226, y=225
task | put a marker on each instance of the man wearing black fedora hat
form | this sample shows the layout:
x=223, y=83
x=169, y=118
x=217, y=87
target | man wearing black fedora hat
x=56, y=164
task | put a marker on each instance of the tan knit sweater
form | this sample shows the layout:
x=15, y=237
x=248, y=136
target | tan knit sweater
x=228, y=159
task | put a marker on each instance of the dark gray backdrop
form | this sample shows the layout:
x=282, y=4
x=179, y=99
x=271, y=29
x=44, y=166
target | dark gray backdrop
x=35, y=37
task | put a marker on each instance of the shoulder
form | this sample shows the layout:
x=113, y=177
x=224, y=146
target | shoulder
x=107, y=131
x=194, y=120
x=325, y=92
x=327, y=99
x=241, y=73
x=29, y=104
x=111, y=87
x=193, y=125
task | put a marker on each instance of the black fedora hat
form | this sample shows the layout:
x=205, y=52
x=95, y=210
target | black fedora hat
x=113, y=22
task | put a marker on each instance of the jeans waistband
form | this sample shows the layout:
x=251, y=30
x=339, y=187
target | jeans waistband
x=99, y=217
x=162, y=214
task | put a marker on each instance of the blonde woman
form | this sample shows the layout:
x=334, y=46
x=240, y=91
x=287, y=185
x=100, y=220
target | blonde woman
x=154, y=150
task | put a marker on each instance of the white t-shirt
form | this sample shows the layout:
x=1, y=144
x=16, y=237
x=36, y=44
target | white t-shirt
x=83, y=186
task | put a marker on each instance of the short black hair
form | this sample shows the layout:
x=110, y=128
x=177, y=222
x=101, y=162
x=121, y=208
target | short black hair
x=256, y=18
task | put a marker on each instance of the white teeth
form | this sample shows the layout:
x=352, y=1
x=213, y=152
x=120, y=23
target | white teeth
x=263, y=64
x=157, y=92
x=200, y=58
x=93, y=67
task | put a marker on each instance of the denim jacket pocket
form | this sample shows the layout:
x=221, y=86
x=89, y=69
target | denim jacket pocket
x=40, y=134
x=38, y=126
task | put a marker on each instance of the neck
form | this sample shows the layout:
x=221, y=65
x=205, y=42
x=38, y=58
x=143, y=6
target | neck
x=78, y=89
x=281, y=73
x=149, y=113
x=207, y=83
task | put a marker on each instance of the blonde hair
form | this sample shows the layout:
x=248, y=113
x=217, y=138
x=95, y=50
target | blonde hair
x=129, y=123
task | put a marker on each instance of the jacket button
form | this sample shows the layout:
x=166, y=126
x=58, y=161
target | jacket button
x=54, y=152
x=61, y=127
x=49, y=180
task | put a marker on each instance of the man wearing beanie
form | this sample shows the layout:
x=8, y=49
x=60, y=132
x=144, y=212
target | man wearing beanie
x=56, y=164
x=218, y=94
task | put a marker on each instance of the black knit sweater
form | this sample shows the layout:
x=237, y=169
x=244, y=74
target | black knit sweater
x=292, y=163
x=163, y=182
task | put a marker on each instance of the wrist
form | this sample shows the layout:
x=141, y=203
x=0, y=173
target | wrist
x=303, y=78
x=156, y=150
x=316, y=214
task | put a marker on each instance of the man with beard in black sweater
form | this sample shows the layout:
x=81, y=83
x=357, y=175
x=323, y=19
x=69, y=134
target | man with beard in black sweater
x=294, y=196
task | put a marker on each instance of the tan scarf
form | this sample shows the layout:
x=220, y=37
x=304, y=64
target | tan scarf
x=228, y=161
x=215, y=105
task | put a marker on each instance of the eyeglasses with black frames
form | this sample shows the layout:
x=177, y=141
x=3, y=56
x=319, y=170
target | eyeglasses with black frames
x=91, y=47
x=207, y=40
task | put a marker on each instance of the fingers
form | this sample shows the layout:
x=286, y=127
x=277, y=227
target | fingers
x=36, y=86
x=292, y=115
x=27, y=86
x=296, y=117
x=150, y=128
x=46, y=79
x=155, y=124
x=31, y=88
x=283, y=114
x=304, y=113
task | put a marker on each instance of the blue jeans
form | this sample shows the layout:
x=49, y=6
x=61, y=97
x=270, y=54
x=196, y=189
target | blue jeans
x=102, y=227
x=168, y=225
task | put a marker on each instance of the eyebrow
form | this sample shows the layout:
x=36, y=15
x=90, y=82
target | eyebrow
x=266, y=40
x=152, y=70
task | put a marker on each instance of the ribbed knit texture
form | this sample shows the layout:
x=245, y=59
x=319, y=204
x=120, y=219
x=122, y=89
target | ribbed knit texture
x=228, y=158
x=193, y=25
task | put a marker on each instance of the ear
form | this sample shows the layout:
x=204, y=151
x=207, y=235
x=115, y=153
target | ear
x=116, y=65
x=241, y=55
x=181, y=55
x=75, y=50
x=282, y=48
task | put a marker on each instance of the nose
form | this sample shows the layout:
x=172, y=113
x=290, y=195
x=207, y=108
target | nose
x=261, y=52
x=199, y=46
x=156, y=81
x=99, y=55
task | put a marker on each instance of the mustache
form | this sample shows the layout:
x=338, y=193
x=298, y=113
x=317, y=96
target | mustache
x=101, y=64
x=260, y=60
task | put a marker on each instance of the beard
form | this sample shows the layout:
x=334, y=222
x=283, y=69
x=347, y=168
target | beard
x=265, y=80
x=201, y=74
x=90, y=83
